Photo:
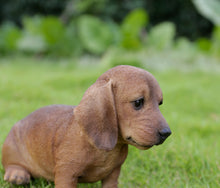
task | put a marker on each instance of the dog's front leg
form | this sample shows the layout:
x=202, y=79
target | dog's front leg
x=111, y=181
x=65, y=179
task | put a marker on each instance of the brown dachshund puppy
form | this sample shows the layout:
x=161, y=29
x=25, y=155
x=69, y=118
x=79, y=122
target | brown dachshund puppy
x=89, y=142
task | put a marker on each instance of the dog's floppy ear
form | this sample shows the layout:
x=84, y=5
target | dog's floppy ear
x=97, y=114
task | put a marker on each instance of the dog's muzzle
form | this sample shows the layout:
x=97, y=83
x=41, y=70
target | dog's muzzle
x=163, y=134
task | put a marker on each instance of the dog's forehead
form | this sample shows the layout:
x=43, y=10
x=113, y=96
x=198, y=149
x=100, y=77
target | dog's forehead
x=133, y=81
x=131, y=75
x=124, y=72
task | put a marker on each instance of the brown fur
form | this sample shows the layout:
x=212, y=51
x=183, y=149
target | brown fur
x=89, y=142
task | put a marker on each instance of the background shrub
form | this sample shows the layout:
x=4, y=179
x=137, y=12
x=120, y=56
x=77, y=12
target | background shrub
x=182, y=13
x=9, y=36
x=96, y=26
x=14, y=11
x=94, y=34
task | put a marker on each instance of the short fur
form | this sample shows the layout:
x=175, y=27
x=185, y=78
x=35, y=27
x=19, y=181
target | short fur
x=89, y=142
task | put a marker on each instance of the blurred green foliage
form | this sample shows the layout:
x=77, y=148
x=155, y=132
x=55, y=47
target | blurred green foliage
x=50, y=35
x=9, y=35
x=131, y=28
x=211, y=10
x=94, y=34
x=181, y=13
x=161, y=36
x=216, y=41
x=14, y=11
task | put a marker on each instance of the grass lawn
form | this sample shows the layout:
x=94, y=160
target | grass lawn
x=189, y=158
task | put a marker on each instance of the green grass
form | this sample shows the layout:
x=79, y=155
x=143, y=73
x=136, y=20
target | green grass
x=189, y=158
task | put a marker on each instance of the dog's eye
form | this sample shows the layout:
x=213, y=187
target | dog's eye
x=161, y=102
x=138, y=104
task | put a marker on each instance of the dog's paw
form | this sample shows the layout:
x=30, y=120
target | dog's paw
x=17, y=175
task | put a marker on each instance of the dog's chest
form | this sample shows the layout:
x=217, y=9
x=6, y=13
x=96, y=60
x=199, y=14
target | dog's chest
x=103, y=163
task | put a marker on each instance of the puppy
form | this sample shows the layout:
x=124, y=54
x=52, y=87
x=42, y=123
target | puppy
x=88, y=142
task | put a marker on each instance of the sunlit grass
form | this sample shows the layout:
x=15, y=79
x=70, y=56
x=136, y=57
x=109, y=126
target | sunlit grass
x=189, y=158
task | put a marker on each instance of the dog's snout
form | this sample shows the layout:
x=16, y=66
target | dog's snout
x=164, y=133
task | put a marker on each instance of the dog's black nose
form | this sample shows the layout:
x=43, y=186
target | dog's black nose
x=164, y=133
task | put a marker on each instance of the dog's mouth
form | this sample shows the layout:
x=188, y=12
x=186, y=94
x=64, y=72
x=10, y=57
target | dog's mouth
x=131, y=140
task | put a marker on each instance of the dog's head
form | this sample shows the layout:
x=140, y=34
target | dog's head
x=123, y=103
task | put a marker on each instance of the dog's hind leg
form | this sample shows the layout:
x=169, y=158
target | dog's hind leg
x=17, y=175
